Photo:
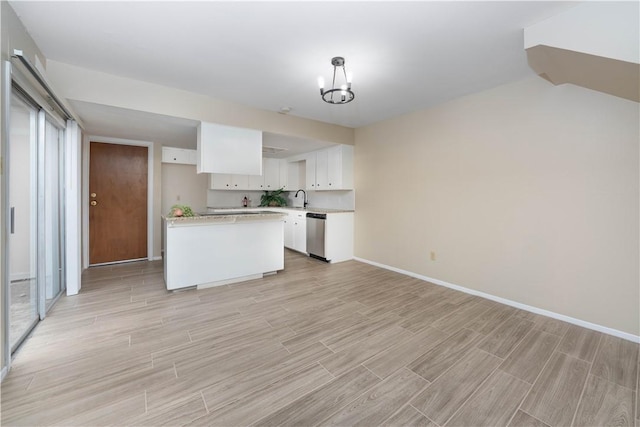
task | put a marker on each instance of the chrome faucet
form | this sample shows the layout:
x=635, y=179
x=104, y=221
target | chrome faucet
x=304, y=203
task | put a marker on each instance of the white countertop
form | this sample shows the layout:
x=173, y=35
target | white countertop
x=234, y=215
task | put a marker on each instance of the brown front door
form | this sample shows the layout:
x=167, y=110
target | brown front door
x=117, y=202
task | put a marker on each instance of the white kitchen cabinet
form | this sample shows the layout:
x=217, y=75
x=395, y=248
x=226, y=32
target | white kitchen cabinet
x=270, y=178
x=322, y=176
x=310, y=165
x=240, y=182
x=300, y=233
x=330, y=169
x=340, y=167
x=271, y=173
x=283, y=172
x=220, y=181
x=256, y=182
x=288, y=231
x=295, y=231
x=226, y=181
x=179, y=156
x=229, y=150
x=338, y=237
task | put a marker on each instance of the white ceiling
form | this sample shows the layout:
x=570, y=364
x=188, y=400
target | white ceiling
x=404, y=56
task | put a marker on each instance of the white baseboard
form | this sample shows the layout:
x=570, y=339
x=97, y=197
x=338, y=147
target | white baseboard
x=155, y=258
x=583, y=323
x=3, y=373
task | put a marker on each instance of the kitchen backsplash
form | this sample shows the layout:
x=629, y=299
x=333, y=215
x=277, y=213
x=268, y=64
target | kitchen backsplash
x=317, y=199
x=326, y=199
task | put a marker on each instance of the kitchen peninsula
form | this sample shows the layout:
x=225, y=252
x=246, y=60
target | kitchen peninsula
x=221, y=248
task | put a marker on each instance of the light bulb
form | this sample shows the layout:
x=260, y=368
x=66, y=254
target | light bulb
x=349, y=77
x=321, y=82
x=344, y=89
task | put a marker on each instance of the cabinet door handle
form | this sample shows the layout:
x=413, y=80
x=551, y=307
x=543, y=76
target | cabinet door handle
x=13, y=220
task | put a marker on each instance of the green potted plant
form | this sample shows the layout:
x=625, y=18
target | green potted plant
x=273, y=198
x=180, y=211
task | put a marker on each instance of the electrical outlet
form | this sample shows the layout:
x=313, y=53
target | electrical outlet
x=178, y=198
x=432, y=255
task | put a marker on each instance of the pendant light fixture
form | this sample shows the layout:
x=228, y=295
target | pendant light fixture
x=341, y=94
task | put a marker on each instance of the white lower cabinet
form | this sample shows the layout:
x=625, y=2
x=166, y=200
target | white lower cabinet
x=295, y=231
x=288, y=232
x=338, y=233
x=338, y=237
x=300, y=235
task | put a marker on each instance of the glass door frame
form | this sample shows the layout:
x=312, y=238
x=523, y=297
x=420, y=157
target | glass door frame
x=57, y=250
x=33, y=221
x=12, y=87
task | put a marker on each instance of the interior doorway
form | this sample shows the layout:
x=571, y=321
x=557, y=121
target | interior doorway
x=118, y=191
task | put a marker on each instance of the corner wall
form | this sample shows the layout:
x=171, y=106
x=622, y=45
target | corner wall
x=527, y=192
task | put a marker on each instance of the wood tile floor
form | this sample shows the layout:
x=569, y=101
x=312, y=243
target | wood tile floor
x=317, y=344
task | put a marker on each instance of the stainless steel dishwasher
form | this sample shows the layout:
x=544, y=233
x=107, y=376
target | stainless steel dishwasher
x=315, y=235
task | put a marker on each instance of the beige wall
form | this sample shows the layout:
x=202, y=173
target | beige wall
x=528, y=192
x=182, y=181
x=97, y=87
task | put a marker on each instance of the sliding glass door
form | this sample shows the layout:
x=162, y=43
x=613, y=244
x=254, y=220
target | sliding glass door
x=36, y=215
x=23, y=230
x=53, y=213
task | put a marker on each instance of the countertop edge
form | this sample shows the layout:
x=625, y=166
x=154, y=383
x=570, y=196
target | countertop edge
x=223, y=218
x=289, y=208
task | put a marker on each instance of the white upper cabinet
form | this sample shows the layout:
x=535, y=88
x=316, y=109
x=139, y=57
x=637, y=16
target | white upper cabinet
x=271, y=169
x=179, y=155
x=220, y=181
x=322, y=176
x=330, y=169
x=270, y=178
x=310, y=165
x=229, y=150
x=227, y=181
x=322, y=170
x=340, y=168
x=256, y=182
x=284, y=175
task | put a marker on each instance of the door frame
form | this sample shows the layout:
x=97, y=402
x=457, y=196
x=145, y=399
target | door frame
x=86, y=144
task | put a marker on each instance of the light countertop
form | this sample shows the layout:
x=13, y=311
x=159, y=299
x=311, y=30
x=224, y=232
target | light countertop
x=290, y=208
x=223, y=217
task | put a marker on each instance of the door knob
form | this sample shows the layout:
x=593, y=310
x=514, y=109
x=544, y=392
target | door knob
x=93, y=203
